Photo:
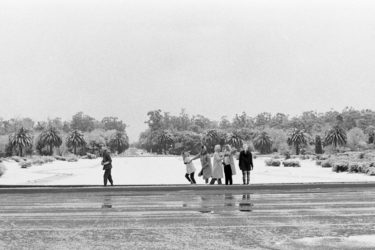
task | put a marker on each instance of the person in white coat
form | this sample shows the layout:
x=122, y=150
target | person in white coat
x=190, y=169
x=217, y=168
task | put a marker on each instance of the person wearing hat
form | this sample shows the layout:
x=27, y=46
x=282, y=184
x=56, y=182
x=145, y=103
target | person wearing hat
x=107, y=166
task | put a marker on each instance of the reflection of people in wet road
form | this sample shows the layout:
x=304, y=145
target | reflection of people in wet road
x=107, y=203
x=245, y=204
x=107, y=167
x=246, y=164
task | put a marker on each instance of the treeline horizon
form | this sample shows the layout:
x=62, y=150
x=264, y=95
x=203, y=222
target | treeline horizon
x=81, y=135
x=349, y=129
x=166, y=133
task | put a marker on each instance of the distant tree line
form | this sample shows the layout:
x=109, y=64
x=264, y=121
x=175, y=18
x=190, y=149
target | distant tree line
x=83, y=134
x=310, y=132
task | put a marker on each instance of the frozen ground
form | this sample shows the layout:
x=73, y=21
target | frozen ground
x=161, y=170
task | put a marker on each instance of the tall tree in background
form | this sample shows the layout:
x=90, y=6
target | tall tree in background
x=51, y=138
x=119, y=142
x=111, y=123
x=298, y=138
x=263, y=143
x=336, y=136
x=82, y=122
x=21, y=140
x=75, y=140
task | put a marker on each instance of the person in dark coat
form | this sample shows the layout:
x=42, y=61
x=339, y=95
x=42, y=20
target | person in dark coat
x=107, y=167
x=246, y=164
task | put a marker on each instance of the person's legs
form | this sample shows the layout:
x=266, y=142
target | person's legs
x=105, y=176
x=244, y=176
x=187, y=177
x=206, y=180
x=110, y=177
x=247, y=177
x=219, y=181
x=192, y=178
x=226, y=173
x=212, y=181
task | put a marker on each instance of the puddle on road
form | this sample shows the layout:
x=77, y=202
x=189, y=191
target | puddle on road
x=225, y=203
x=351, y=242
x=107, y=202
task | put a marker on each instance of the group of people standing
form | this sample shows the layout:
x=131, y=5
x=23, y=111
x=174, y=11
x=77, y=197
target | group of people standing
x=223, y=165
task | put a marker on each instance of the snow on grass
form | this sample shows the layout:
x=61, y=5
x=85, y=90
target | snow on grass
x=161, y=170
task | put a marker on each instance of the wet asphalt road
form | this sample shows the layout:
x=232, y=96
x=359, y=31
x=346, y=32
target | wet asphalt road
x=202, y=218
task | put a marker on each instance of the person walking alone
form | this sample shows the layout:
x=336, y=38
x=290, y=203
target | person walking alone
x=246, y=164
x=107, y=167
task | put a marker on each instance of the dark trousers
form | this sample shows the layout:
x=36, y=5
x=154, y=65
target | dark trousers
x=108, y=176
x=190, y=178
x=228, y=175
x=246, y=177
x=213, y=180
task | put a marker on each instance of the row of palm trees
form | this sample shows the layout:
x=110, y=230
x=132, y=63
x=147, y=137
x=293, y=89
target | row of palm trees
x=51, y=138
x=298, y=138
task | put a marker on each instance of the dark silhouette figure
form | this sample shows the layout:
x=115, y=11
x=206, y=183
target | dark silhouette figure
x=107, y=167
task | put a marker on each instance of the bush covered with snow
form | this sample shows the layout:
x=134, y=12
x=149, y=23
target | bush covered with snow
x=291, y=163
x=272, y=162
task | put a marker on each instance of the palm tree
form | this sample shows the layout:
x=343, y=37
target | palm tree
x=263, y=143
x=75, y=139
x=50, y=137
x=234, y=139
x=20, y=140
x=336, y=136
x=298, y=138
x=119, y=142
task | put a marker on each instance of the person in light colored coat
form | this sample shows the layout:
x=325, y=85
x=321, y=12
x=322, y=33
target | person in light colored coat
x=205, y=159
x=218, y=168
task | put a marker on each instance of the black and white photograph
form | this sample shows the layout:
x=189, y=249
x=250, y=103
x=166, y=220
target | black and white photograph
x=187, y=124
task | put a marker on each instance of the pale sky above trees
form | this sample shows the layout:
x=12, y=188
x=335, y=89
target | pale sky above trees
x=215, y=58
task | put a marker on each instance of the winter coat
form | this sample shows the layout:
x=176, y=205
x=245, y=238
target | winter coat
x=246, y=161
x=229, y=160
x=206, y=165
x=189, y=166
x=218, y=168
x=107, y=158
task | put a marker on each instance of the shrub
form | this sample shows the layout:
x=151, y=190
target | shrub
x=318, y=162
x=2, y=169
x=353, y=167
x=291, y=163
x=340, y=166
x=91, y=156
x=60, y=158
x=273, y=162
x=72, y=158
x=25, y=164
x=17, y=159
x=327, y=164
x=371, y=172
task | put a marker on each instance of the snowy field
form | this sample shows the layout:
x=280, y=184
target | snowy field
x=161, y=170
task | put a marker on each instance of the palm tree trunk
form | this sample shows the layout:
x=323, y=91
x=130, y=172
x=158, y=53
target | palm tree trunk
x=297, y=149
x=51, y=149
x=20, y=149
x=75, y=150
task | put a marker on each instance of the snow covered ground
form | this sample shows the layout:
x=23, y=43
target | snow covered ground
x=161, y=170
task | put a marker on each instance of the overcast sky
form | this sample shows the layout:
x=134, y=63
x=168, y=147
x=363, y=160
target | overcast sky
x=215, y=58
